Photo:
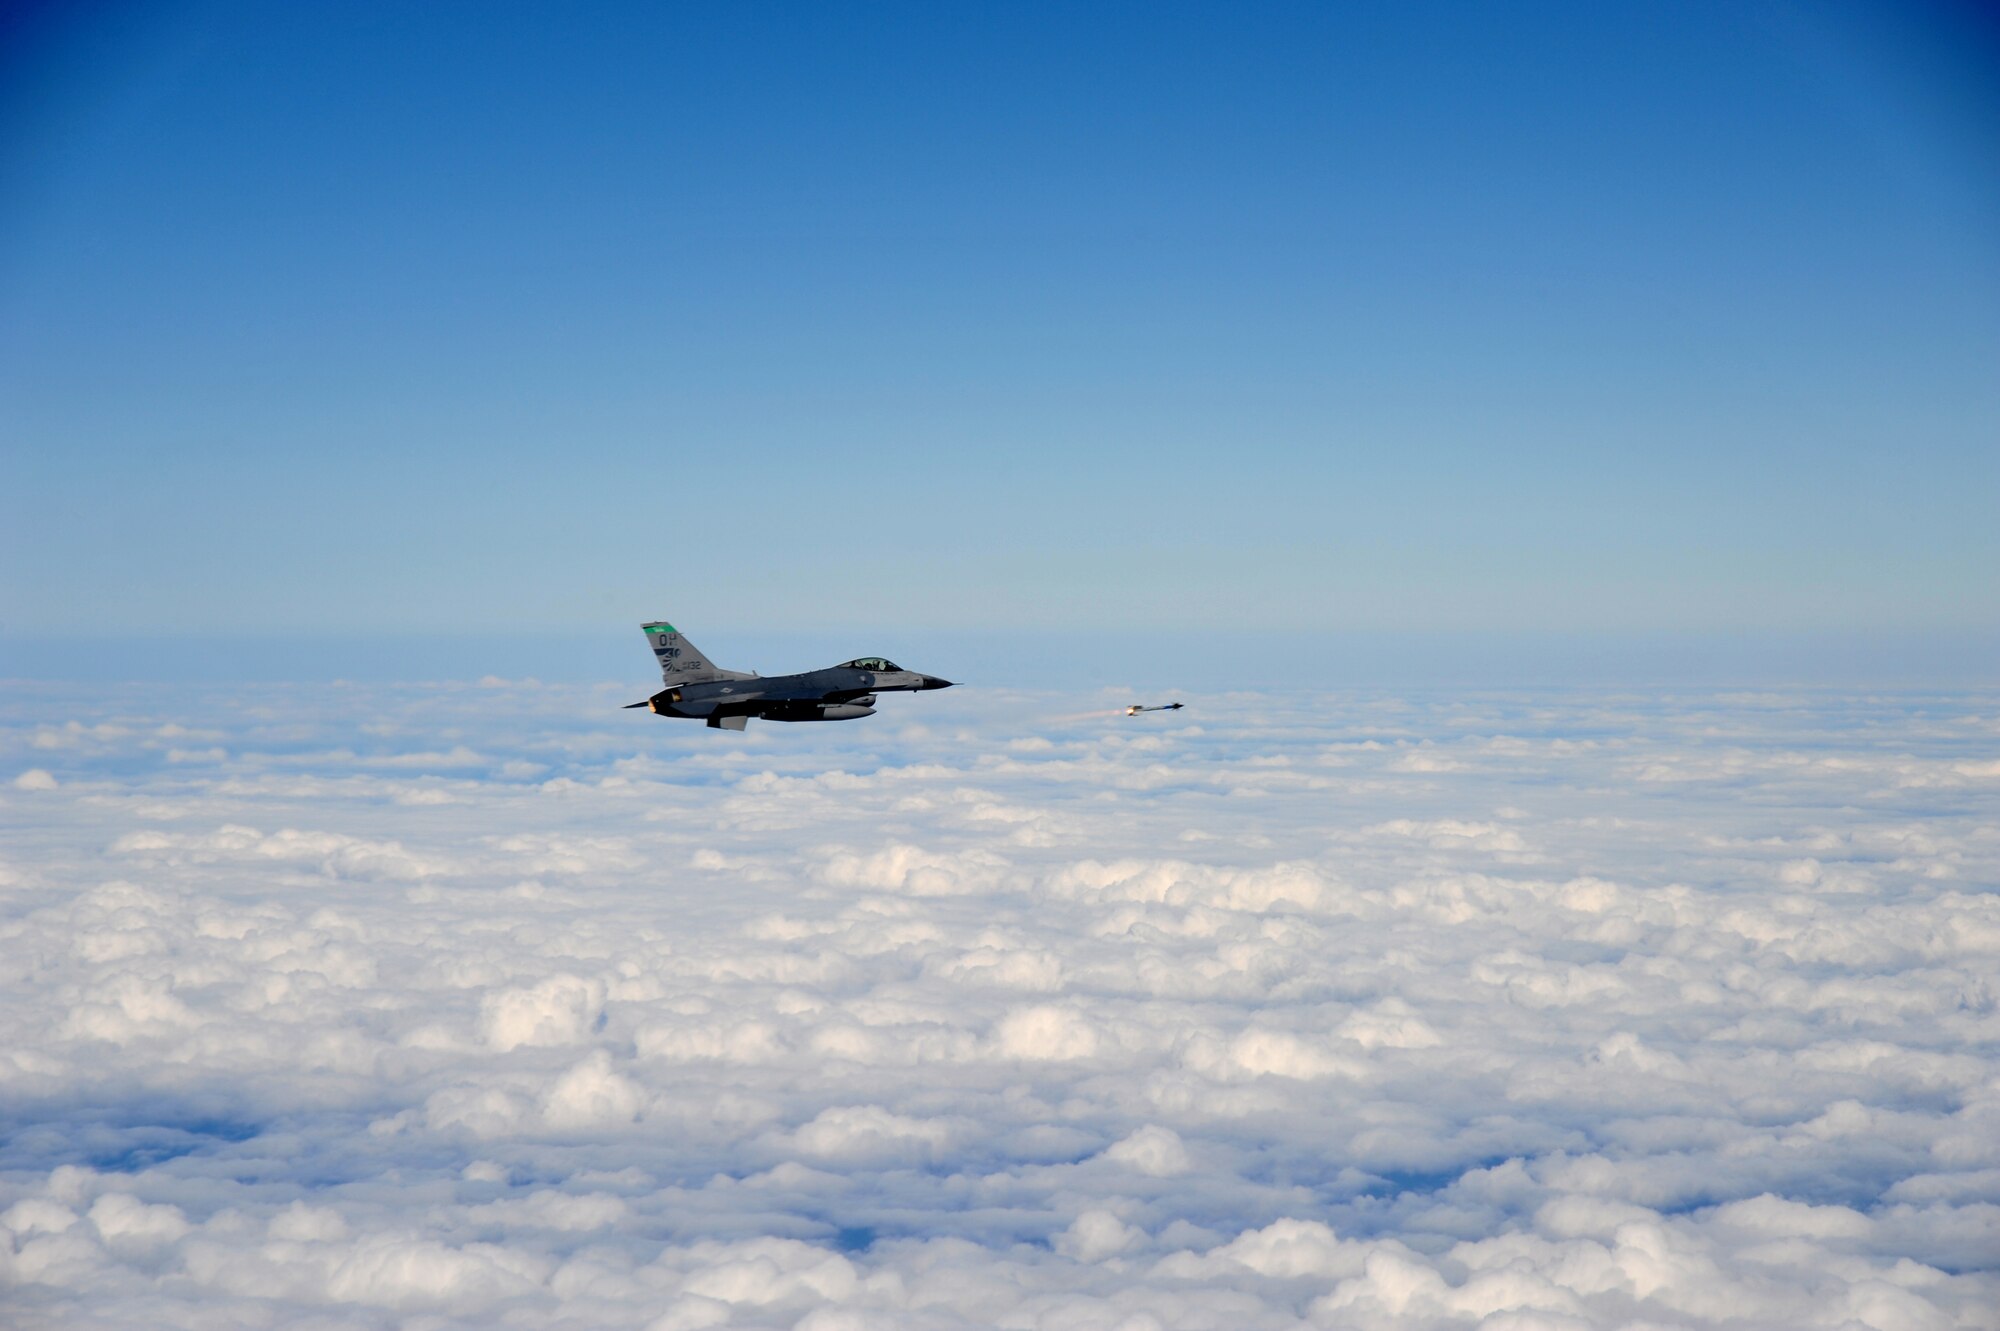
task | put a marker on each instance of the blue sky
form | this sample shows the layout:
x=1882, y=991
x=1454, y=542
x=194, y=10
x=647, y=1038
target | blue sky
x=1436, y=318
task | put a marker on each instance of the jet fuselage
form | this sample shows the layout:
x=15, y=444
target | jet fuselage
x=837, y=693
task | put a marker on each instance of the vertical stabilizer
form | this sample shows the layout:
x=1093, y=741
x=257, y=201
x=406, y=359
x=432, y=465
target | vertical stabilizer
x=681, y=662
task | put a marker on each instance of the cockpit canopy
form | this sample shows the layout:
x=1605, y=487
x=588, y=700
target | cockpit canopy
x=874, y=663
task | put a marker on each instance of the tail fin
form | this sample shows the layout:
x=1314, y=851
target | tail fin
x=681, y=662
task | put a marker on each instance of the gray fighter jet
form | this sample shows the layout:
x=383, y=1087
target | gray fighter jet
x=727, y=699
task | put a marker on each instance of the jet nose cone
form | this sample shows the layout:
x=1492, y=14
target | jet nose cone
x=933, y=682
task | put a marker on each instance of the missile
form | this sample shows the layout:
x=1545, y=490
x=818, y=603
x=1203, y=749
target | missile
x=1137, y=708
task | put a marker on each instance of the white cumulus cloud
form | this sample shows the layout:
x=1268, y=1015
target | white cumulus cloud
x=1444, y=1011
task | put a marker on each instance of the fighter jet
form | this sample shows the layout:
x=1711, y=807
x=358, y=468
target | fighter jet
x=727, y=699
x=1137, y=708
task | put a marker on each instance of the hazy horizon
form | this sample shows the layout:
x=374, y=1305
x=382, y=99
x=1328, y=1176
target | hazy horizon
x=1212, y=662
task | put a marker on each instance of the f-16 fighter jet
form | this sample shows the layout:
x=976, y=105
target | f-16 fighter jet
x=727, y=699
x=1137, y=708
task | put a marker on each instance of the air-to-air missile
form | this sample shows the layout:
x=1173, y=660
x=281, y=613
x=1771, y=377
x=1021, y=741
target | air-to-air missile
x=1137, y=708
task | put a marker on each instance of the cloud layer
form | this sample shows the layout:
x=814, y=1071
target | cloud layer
x=474, y=1007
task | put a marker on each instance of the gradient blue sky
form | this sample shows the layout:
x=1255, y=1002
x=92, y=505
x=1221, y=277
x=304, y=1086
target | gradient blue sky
x=1573, y=318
